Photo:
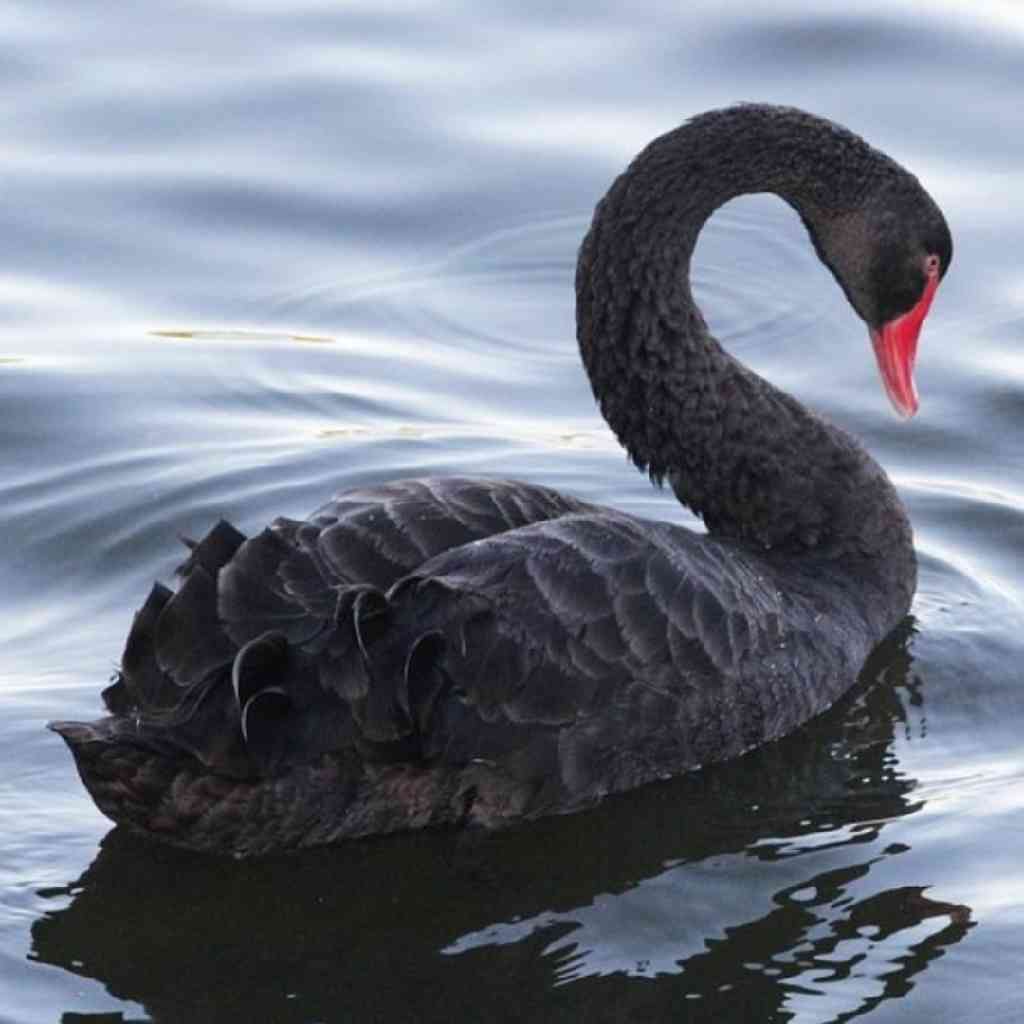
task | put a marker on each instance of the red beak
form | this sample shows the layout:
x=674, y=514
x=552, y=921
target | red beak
x=895, y=345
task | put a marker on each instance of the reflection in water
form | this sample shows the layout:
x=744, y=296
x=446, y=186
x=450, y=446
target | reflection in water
x=763, y=889
x=244, y=337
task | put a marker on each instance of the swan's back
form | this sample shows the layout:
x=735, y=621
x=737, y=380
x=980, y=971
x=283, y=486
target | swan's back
x=272, y=701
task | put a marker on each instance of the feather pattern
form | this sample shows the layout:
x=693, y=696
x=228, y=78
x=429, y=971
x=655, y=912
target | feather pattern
x=474, y=651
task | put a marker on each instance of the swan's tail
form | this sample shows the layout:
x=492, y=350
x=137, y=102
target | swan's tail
x=263, y=705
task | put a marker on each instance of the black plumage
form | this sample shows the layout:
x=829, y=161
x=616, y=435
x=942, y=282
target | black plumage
x=472, y=651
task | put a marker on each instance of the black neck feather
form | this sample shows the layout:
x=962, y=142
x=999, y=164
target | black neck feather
x=753, y=462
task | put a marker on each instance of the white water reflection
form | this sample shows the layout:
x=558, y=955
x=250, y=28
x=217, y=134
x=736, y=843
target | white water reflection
x=671, y=924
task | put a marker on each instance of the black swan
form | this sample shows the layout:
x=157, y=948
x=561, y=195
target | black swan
x=476, y=652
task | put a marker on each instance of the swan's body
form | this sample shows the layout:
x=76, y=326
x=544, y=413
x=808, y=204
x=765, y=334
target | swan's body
x=450, y=651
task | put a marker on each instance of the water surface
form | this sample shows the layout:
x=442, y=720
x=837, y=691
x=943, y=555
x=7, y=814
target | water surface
x=254, y=253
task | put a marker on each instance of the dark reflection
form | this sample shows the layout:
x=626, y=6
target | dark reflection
x=508, y=926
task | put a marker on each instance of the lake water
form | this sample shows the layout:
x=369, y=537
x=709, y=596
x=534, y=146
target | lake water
x=251, y=253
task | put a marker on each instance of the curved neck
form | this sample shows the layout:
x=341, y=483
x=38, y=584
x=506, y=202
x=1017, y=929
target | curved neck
x=753, y=462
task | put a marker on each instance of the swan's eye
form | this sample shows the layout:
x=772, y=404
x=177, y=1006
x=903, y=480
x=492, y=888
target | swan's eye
x=931, y=265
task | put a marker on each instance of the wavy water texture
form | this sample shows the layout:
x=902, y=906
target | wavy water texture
x=253, y=253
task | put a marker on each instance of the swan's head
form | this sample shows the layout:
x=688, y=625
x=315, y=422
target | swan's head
x=889, y=256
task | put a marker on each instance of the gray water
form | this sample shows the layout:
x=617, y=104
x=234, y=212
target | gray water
x=252, y=253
